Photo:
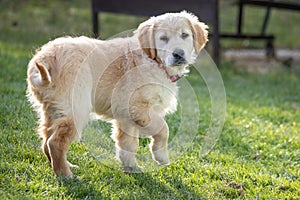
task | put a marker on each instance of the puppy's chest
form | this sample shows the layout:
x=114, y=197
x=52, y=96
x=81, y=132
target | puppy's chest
x=164, y=100
x=151, y=86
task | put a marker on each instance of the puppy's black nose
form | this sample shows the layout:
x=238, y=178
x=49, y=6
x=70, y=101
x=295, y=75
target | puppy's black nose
x=178, y=53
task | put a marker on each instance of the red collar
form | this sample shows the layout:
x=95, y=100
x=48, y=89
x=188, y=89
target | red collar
x=173, y=78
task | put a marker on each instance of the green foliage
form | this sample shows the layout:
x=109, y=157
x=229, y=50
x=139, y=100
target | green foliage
x=256, y=157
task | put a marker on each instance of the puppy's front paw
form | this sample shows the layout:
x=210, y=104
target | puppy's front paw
x=135, y=169
x=161, y=156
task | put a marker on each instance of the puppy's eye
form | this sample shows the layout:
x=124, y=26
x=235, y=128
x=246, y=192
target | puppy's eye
x=184, y=35
x=164, y=38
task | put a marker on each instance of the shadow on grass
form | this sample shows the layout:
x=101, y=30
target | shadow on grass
x=165, y=187
x=119, y=185
x=77, y=187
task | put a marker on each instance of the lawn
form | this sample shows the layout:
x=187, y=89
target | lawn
x=257, y=155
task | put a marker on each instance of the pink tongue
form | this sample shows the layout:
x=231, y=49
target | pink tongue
x=175, y=78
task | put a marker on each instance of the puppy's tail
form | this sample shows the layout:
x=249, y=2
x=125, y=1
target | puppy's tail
x=42, y=77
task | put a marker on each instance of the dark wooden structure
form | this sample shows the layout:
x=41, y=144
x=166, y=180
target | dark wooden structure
x=268, y=4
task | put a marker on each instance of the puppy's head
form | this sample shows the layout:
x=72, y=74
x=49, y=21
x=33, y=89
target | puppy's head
x=173, y=39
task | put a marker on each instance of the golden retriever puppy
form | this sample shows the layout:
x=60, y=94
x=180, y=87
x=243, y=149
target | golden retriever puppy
x=127, y=81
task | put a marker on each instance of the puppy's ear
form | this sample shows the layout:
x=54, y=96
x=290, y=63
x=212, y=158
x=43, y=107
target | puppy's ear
x=145, y=34
x=200, y=33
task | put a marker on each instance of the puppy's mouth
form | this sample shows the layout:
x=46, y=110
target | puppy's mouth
x=175, y=65
x=179, y=62
x=175, y=69
x=176, y=59
x=170, y=61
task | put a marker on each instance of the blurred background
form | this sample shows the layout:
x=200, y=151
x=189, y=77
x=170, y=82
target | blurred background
x=30, y=23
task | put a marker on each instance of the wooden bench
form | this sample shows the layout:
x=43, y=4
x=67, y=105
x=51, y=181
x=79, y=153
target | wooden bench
x=206, y=10
x=268, y=4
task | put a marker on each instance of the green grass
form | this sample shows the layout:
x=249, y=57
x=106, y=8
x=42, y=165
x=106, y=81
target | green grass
x=256, y=157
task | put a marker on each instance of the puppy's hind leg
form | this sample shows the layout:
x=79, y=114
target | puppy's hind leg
x=64, y=133
x=44, y=132
x=45, y=135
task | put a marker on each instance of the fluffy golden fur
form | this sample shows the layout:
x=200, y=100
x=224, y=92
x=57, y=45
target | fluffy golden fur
x=125, y=81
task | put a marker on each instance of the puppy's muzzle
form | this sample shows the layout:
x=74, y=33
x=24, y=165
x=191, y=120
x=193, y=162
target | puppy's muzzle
x=178, y=57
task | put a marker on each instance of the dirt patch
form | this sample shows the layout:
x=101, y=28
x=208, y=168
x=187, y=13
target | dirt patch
x=254, y=60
